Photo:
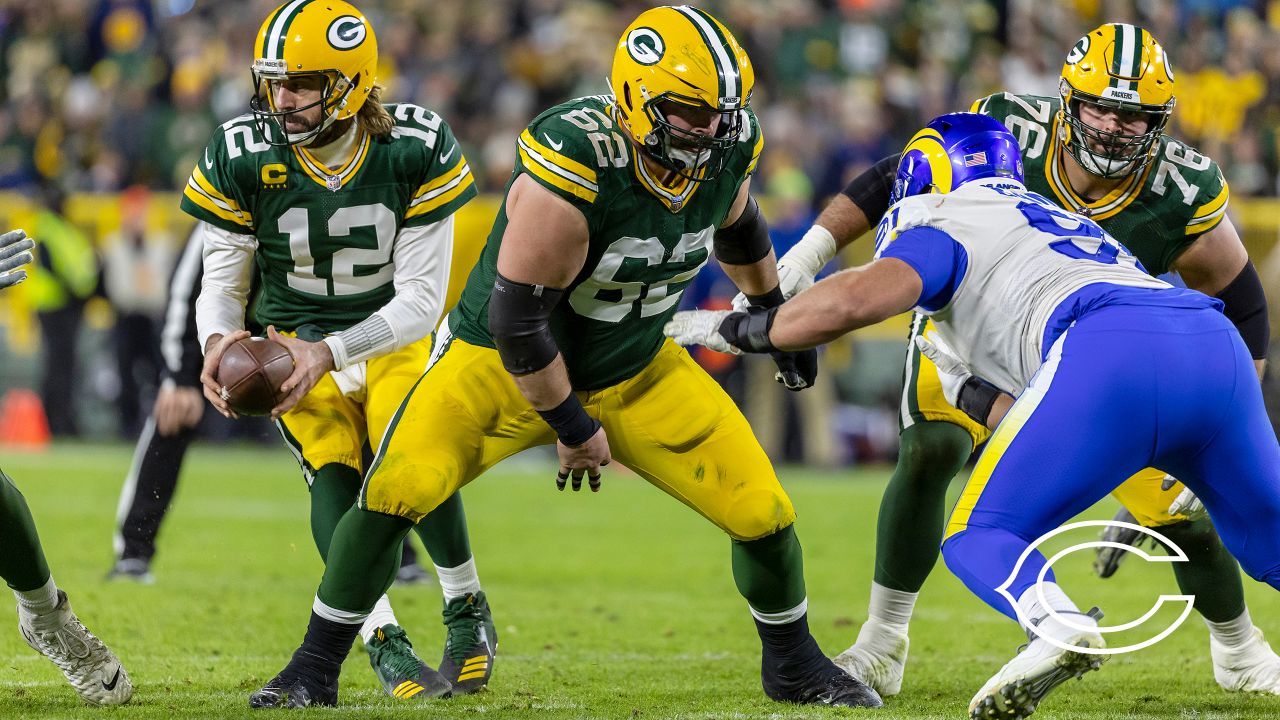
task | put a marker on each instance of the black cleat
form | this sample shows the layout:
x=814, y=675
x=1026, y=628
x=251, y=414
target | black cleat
x=471, y=645
x=826, y=685
x=402, y=673
x=296, y=687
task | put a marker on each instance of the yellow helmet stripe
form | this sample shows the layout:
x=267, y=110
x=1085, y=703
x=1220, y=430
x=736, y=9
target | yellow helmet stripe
x=929, y=142
x=273, y=39
x=728, y=73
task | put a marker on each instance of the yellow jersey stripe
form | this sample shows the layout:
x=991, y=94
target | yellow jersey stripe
x=564, y=161
x=444, y=178
x=755, y=153
x=194, y=194
x=212, y=192
x=1213, y=207
x=552, y=178
x=442, y=199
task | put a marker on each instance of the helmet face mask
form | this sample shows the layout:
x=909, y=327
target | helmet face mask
x=691, y=155
x=674, y=70
x=1115, y=68
x=327, y=44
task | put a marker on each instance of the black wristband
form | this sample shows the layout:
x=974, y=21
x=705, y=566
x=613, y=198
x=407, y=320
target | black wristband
x=976, y=398
x=749, y=331
x=570, y=421
x=871, y=190
x=773, y=298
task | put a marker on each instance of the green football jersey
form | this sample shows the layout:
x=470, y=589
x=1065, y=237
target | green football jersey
x=326, y=240
x=1156, y=213
x=647, y=241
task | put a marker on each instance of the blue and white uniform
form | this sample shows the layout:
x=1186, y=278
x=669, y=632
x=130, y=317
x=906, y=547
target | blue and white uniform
x=1122, y=372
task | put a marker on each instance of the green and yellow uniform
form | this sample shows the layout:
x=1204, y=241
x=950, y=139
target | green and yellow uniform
x=665, y=418
x=325, y=255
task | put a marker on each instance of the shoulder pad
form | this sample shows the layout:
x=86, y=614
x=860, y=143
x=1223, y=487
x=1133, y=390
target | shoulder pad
x=1193, y=181
x=570, y=146
x=225, y=176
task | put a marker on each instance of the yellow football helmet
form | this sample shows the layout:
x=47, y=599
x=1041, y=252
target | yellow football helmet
x=330, y=39
x=1118, y=66
x=680, y=61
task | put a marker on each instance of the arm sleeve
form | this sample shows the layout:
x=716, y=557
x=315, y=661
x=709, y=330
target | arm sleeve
x=937, y=257
x=224, y=291
x=871, y=190
x=1245, y=304
x=179, y=341
x=422, y=258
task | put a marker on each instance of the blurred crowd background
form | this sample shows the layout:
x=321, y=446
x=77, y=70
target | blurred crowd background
x=106, y=104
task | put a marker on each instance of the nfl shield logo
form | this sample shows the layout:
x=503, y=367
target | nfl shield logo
x=333, y=183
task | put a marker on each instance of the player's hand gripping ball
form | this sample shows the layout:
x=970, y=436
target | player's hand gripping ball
x=250, y=374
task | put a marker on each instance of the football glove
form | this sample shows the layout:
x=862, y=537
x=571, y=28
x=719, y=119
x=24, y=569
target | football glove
x=700, y=327
x=1108, y=559
x=1186, y=504
x=952, y=371
x=15, y=251
x=791, y=281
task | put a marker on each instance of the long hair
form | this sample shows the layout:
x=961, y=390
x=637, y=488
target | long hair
x=372, y=117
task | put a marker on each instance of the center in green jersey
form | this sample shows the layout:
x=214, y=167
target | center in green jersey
x=1155, y=213
x=647, y=241
x=326, y=240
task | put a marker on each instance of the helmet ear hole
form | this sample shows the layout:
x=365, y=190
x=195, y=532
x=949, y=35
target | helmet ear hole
x=626, y=95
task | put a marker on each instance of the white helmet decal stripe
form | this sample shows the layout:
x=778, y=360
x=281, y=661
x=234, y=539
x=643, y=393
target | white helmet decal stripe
x=278, y=27
x=727, y=68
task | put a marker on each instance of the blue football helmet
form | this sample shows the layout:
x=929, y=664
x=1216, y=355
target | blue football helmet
x=954, y=149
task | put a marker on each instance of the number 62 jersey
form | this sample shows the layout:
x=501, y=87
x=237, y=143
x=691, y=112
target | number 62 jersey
x=326, y=240
x=1156, y=212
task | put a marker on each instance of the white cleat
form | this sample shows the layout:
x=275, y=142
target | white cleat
x=1033, y=673
x=1252, y=667
x=878, y=657
x=91, y=668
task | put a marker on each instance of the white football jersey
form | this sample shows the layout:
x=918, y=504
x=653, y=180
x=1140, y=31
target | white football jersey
x=1025, y=257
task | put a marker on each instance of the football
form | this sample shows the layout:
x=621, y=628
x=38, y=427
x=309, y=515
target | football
x=250, y=374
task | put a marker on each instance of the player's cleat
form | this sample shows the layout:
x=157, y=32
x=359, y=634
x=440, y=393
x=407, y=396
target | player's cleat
x=878, y=657
x=1039, y=667
x=132, y=569
x=413, y=574
x=91, y=668
x=1108, y=559
x=297, y=687
x=1252, y=667
x=403, y=675
x=471, y=644
x=812, y=679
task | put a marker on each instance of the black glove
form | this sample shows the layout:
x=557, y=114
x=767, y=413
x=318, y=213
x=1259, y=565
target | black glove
x=797, y=369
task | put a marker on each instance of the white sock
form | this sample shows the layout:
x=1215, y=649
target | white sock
x=460, y=581
x=784, y=617
x=40, y=601
x=381, y=615
x=889, y=606
x=1058, y=601
x=1232, y=633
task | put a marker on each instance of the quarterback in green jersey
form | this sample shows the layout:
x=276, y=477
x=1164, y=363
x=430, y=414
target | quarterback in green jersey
x=344, y=209
x=1098, y=150
x=615, y=204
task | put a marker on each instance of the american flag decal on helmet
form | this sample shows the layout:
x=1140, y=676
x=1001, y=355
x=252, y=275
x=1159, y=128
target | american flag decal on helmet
x=975, y=159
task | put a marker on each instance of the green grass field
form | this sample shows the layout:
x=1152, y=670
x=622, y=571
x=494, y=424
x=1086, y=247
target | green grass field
x=616, y=605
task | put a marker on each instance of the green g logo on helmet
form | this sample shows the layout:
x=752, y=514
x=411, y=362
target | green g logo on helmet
x=346, y=32
x=645, y=46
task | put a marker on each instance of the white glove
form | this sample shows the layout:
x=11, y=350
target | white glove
x=952, y=371
x=15, y=251
x=1186, y=503
x=699, y=327
x=791, y=282
x=801, y=264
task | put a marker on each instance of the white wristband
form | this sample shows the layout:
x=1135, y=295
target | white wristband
x=813, y=252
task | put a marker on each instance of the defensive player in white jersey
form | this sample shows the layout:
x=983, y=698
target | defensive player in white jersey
x=1034, y=297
